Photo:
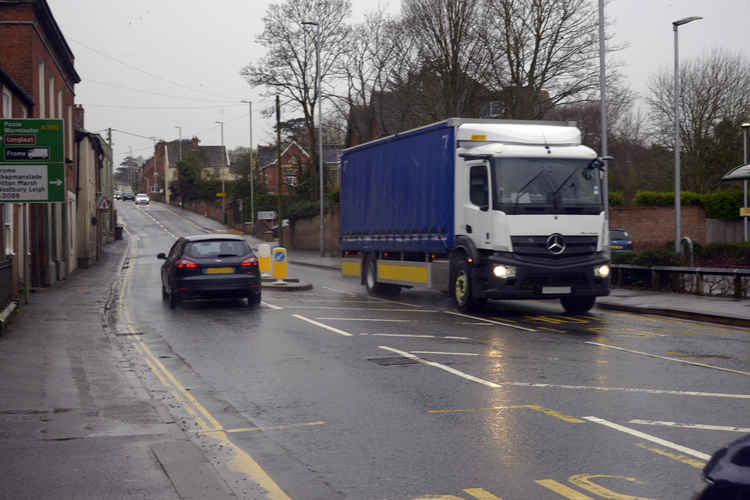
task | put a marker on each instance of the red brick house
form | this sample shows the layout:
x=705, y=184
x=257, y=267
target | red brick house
x=39, y=78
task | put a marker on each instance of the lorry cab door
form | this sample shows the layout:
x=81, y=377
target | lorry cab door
x=478, y=204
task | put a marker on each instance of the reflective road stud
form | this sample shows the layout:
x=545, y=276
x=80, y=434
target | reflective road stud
x=264, y=258
x=279, y=263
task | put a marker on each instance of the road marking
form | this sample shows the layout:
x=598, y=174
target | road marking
x=344, y=308
x=330, y=328
x=490, y=321
x=629, y=389
x=366, y=319
x=649, y=437
x=683, y=361
x=340, y=291
x=156, y=372
x=562, y=490
x=541, y=409
x=395, y=302
x=681, y=322
x=691, y=426
x=415, y=336
x=475, y=323
x=481, y=494
x=442, y=367
x=277, y=308
x=693, y=462
x=264, y=429
x=446, y=353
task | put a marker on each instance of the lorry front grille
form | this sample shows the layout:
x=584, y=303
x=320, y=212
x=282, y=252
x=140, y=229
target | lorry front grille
x=538, y=246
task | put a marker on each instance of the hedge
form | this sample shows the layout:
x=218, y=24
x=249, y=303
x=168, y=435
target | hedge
x=616, y=198
x=718, y=204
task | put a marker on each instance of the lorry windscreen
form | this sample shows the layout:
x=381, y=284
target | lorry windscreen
x=545, y=186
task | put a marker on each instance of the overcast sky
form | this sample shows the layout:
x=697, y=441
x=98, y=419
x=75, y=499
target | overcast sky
x=148, y=66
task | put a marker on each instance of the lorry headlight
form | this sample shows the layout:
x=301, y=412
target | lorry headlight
x=502, y=271
x=601, y=271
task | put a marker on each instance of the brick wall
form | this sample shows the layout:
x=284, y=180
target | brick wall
x=305, y=233
x=653, y=227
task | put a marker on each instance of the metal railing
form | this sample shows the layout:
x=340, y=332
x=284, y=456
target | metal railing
x=731, y=282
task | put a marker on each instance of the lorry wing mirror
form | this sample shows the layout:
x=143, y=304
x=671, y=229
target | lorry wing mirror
x=599, y=162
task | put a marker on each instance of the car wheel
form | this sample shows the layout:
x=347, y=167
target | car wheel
x=578, y=305
x=253, y=300
x=173, y=300
x=164, y=295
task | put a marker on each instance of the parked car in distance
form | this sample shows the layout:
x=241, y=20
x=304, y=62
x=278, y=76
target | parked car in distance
x=620, y=241
x=128, y=195
x=210, y=266
x=142, y=199
x=117, y=195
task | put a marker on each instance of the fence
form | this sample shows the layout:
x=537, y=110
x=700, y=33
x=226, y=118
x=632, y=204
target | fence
x=6, y=282
x=696, y=280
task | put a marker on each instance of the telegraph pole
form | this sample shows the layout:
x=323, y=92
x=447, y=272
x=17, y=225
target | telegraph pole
x=278, y=167
x=223, y=188
x=252, y=173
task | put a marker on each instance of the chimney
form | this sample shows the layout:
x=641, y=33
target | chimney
x=78, y=116
x=195, y=142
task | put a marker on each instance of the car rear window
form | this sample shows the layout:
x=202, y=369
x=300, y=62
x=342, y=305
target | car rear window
x=216, y=248
x=619, y=235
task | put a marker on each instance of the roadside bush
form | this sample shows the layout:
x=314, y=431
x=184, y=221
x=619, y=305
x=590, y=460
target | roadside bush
x=723, y=205
x=647, y=258
x=724, y=254
x=616, y=198
x=666, y=198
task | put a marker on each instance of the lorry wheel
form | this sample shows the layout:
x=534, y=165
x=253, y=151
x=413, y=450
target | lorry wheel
x=577, y=305
x=461, y=288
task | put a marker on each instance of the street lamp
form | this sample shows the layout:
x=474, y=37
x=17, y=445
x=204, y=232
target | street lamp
x=179, y=131
x=744, y=162
x=318, y=82
x=252, y=174
x=675, y=25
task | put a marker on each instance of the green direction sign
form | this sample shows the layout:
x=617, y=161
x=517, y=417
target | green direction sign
x=32, y=160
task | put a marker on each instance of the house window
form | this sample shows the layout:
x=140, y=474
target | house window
x=24, y=111
x=42, y=100
x=59, y=105
x=291, y=180
x=51, y=97
x=7, y=103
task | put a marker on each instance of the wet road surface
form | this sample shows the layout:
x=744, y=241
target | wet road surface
x=333, y=393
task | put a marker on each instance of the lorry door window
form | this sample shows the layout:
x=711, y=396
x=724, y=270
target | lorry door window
x=479, y=190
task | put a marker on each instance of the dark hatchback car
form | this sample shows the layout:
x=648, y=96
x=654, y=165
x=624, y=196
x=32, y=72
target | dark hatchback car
x=620, y=241
x=210, y=266
x=727, y=475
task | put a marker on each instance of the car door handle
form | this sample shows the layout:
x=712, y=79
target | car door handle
x=468, y=228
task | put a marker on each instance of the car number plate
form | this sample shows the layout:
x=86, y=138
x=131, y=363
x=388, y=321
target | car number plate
x=219, y=270
x=556, y=289
x=617, y=246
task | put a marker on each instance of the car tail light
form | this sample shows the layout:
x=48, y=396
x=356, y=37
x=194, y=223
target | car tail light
x=186, y=264
x=250, y=262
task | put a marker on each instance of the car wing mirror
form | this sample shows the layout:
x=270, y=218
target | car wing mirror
x=162, y=256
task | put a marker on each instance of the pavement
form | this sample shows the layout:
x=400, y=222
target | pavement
x=75, y=418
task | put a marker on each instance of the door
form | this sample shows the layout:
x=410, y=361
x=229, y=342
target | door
x=477, y=206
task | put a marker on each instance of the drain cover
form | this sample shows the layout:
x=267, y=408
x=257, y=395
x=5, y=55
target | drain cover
x=394, y=361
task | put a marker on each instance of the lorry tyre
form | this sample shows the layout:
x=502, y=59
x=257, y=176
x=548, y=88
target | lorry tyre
x=461, y=288
x=577, y=305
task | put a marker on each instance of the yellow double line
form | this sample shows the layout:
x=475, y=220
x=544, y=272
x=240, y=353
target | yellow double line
x=241, y=462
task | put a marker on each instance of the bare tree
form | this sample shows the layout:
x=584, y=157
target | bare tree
x=714, y=89
x=289, y=68
x=449, y=42
x=545, y=53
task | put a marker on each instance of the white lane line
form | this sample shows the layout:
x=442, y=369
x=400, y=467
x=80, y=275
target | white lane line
x=442, y=367
x=683, y=361
x=414, y=336
x=446, y=353
x=344, y=308
x=475, y=323
x=490, y=321
x=380, y=299
x=334, y=330
x=367, y=319
x=277, y=308
x=340, y=291
x=649, y=437
x=691, y=426
x=630, y=389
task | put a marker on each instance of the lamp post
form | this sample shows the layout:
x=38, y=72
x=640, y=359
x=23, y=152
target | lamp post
x=179, y=136
x=223, y=189
x=744, y=162
x=675, y=25
x=318, y=81
x=603, y=117
x=252, y=172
